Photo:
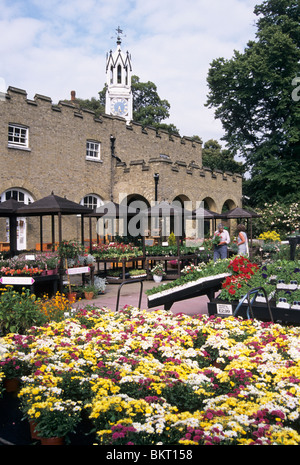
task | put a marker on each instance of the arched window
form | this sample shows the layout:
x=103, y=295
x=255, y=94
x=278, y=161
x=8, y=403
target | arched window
x=92, y=201
x=119, y=74
x=19, y=195
x=111, y=74
x=22, y=196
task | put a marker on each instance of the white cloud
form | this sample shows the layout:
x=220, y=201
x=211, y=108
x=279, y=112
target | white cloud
x=53, y=47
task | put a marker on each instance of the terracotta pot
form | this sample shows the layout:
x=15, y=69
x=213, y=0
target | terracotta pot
x=72, y=297
x=53, y=271
x=88, y=295
x=11, y=384
x=33, y=433
x=52, y=441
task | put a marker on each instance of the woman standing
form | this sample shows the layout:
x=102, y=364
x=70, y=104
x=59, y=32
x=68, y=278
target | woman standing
x=242, y=240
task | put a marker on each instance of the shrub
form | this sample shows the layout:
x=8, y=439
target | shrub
x=19, y=311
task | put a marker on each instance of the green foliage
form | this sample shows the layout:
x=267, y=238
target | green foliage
x=19, y=311
x=93, y=104
x=55, y=417
x=172, y=239
x=148, y=108
x=217, y=159
x=210, y=269
x=70, y=249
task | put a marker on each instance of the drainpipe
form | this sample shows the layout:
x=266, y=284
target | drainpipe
x=112, y=171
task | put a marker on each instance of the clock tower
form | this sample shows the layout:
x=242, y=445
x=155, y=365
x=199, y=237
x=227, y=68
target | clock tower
x=118, y=79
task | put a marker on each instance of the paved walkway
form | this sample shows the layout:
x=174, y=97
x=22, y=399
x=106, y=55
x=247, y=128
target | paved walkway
x=129, y=295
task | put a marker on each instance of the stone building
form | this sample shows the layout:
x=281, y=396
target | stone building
x=65, y=149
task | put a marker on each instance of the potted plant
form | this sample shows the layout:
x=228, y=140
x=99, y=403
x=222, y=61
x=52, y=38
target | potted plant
x=283, y=299
x=100, y=284
x=52, y=264
x=69, y=251
x=296, y=300
x=90, y=291
x=13, y=368
x=53, y=418
x=71, y=292
x=216, y=240
x=158, y=272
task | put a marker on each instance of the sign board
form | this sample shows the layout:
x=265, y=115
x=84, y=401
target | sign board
x=149, y=242
x=17, y=280
x=78, y=270
x=224, y=309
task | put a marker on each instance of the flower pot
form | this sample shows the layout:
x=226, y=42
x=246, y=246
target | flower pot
x=88, y=295
x=51, y=272
x=52, y=441
x=72, y=297
x=157, y=278
x=33, y=433
x=11, y=384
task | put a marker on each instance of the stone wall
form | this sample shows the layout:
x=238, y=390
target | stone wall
x=55, y=160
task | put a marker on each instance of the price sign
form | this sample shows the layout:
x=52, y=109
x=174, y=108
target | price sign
x=17, y=280
x=78, y=270
x=224, y=309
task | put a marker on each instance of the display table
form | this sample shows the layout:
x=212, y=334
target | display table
x=203, y=286
x=36, y=283
x=260, y=311
x=116, y=261
x=151, y=260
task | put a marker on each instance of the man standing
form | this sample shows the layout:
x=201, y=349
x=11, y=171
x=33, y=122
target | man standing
x=221, y=240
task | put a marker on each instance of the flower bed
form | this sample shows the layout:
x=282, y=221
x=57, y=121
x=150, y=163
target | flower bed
x=157, y=378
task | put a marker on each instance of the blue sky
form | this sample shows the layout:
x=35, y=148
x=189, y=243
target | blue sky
x=51, y=47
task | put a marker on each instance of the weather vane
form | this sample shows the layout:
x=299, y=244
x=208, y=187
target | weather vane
x=119, y=32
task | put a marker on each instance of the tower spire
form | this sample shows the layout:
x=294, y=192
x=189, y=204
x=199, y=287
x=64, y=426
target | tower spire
x=118, y=75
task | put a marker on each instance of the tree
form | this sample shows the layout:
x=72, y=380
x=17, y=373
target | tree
x=252, y=96
x=148, y=108
x=216, y=158
x=90, y=104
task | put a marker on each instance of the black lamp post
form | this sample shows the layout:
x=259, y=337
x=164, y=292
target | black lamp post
x=156, y=178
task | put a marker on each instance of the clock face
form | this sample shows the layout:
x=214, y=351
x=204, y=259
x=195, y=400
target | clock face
x=119, y=106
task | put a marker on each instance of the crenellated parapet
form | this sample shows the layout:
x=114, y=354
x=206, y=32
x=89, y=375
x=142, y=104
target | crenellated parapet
x=58, y=135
